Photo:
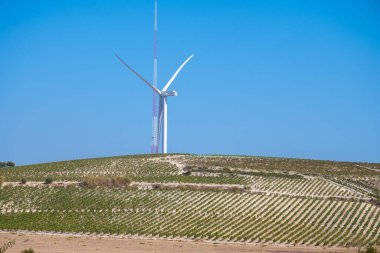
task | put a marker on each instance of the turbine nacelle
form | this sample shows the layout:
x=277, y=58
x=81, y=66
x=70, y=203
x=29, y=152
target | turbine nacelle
x=172, y=93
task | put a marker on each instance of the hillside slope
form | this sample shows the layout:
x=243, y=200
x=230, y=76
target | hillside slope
x=216, y=198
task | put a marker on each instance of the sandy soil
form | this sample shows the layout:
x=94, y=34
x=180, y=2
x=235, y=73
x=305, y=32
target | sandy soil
x=68, y=244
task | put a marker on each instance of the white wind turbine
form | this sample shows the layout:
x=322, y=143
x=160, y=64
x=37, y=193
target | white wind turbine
x=163, y=103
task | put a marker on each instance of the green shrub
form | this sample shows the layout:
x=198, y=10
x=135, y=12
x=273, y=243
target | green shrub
x=369, y=249
x=7, y=164
x=49, y=180
x=247, y=187
x=10, y=164
x=28, y=251
x=106, y=182
x=157, y=186
x=23, y=181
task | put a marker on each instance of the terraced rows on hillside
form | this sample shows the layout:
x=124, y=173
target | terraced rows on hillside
x=284, y=201
x=75, y=170
x=361, y=177
x=241, y=217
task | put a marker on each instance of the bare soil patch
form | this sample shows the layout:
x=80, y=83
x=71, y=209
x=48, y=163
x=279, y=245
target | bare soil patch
x=44, y=243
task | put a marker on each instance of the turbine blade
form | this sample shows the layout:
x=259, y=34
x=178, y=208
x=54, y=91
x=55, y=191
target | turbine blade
x=176, y=73
x=145, y=81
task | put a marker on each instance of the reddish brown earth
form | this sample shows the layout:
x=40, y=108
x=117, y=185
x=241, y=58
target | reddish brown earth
x=44, y=243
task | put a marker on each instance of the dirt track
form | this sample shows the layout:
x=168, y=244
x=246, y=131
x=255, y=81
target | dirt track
x=68, y=244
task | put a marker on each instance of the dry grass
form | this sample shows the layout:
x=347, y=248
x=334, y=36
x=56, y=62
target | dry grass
x=235, y=189
x=2, y=180
x=106, y=182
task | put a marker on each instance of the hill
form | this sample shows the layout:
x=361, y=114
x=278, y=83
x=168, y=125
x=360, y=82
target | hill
x=190, y=197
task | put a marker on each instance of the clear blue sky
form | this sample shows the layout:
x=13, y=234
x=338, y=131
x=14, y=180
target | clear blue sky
x=270, y=78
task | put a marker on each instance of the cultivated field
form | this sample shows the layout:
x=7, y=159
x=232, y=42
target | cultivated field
x=254, y=200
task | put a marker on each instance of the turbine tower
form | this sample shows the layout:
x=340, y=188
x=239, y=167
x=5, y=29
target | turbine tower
x=155, y=132
x=160, y=118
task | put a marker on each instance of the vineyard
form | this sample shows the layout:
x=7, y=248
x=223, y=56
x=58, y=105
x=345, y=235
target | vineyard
x=282, y=201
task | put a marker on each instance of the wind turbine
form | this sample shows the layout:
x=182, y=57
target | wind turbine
x=160, y=118
x=163, y=102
